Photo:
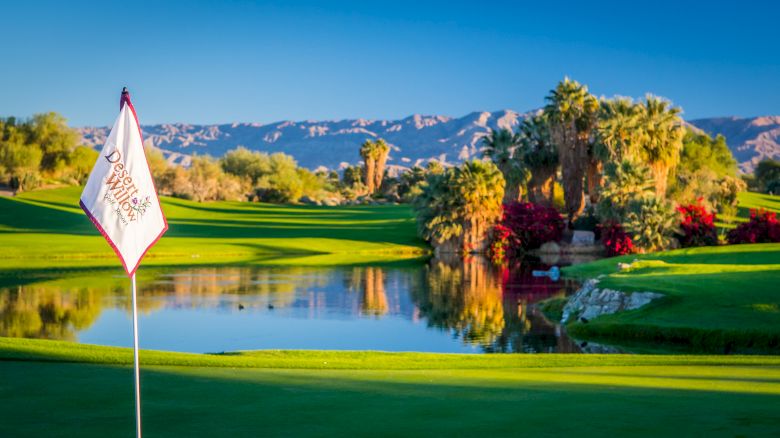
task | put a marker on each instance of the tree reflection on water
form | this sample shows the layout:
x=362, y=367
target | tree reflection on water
x=491, y=307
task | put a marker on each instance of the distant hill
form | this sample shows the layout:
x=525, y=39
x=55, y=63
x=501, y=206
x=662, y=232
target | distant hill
x=414, y=140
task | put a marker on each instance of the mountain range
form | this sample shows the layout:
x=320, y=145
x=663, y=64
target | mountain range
x=414, y=140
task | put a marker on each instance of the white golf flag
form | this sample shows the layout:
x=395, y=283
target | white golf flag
x=120, y=197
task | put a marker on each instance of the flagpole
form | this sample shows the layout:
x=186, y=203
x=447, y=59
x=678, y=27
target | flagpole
x=136, y=371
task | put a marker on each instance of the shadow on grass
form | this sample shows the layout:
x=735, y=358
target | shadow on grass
x=92, y=400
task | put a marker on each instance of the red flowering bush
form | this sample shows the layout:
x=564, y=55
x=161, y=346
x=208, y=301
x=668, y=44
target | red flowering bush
x=697, y=227
x=616, y=240
x=524, y=226
x=532, y=225
x=762, y=227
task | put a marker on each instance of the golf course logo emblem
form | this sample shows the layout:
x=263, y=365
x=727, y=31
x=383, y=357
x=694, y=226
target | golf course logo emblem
x=122, y=193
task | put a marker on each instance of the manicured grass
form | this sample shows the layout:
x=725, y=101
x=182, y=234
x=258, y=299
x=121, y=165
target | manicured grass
x=49, y=390
x=724, y=298
x=748, y=201
x=47, y=229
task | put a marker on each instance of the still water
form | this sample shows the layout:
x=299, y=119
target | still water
x=436, y=306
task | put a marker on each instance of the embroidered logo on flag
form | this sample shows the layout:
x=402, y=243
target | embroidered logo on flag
x=120, y=197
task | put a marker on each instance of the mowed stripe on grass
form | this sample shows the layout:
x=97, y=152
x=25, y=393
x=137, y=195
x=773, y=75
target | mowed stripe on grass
x=48, y=390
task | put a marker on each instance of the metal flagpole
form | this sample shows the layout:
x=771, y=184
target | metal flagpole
x=135, y=365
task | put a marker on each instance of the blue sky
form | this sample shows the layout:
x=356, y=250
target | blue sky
x=217, y=62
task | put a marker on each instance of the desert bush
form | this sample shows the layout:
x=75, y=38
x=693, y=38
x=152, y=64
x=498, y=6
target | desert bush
x=624, y=182
x=651, y=223
x=697, y=226
x=762, y=227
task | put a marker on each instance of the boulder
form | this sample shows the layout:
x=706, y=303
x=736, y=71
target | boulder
x=583, y=238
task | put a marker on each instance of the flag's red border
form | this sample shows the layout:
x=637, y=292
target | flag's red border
x=126, y=101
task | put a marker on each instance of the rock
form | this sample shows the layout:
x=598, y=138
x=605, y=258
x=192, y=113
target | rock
x=583, y=238
x=330, y=202
x=307, y=200
x=591, y=302
x=550, y=248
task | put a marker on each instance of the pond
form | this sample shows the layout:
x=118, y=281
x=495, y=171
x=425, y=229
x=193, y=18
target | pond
x=436, y=306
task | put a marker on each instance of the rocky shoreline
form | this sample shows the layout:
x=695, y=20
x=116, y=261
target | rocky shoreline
x=590, y=302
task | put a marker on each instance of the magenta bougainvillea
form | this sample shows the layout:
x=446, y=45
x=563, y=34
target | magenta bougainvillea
x=697, y=227
x=762, y=227
x=524, y=226
x=615, y=239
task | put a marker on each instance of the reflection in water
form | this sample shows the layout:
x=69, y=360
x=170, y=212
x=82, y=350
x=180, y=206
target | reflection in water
x=41, y=312
x=444, y=305
x=492, y=309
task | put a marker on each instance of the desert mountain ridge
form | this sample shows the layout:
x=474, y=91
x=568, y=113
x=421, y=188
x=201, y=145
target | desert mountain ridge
x=414, y=140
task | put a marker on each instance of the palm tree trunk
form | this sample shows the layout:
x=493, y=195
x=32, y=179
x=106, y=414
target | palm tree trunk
x=380, y=171
x=541, y=186
x=370, y=168
x=572, y=153
x=660, y=174
x=594, y=179
x=512, y=193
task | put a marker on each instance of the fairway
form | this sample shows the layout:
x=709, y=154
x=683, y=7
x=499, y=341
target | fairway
x=370, y=394
x=47, y=229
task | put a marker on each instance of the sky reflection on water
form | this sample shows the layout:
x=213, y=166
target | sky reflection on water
x=458, y=306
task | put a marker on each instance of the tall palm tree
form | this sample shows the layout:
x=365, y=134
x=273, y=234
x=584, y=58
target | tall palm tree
x=662, y=138
x=500, y=146
x=381, y=151
x=369, y=163
x=540, y=157
x=572, y=111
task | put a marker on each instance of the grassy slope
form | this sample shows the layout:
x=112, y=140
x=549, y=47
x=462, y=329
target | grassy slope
x=368, y=393
x=47, y=229
x=717, y=298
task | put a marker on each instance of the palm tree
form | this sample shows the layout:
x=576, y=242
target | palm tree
x=662, y=138
x=618, y=133
x=500, y=146
x=481, y=187
x=436, y=209
x=540, y=156
x=572, y=111
x=457, y=207
x=369, y=162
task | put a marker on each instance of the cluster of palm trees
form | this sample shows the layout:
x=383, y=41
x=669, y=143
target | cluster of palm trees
x=374, y=154
x=578, y=134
